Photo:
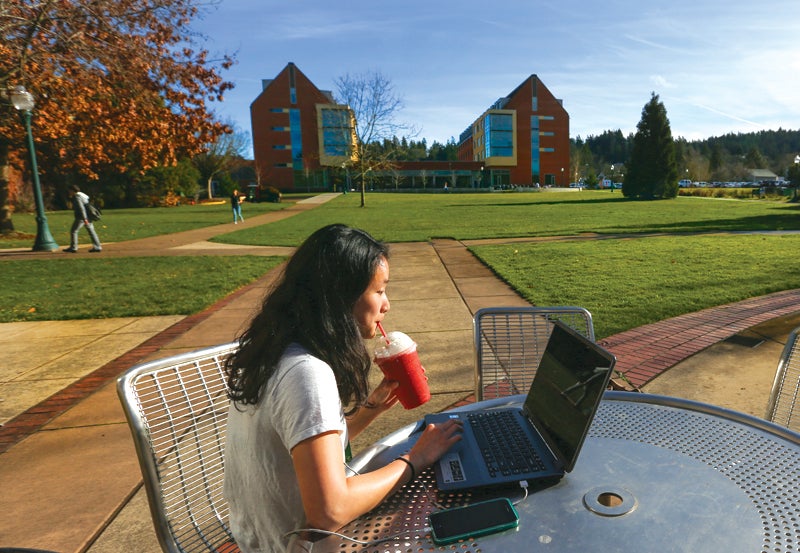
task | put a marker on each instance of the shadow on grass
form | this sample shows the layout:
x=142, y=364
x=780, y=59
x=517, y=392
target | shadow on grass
x=783, y=221
x=617, y=199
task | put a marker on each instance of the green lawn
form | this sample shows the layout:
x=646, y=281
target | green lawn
x=119, y=225
x=420, y=217
x=627, y=283
x=624, y=282
x=42, y=290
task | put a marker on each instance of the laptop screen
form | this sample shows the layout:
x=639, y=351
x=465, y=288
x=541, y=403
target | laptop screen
x=565, y=392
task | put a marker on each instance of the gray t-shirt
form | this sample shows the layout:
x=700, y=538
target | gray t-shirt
x=300, y=401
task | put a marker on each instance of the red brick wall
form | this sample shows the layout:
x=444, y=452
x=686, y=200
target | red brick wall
x=521, y=100
x=263, y=120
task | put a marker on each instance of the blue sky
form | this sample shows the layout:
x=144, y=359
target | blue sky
x=717, y=66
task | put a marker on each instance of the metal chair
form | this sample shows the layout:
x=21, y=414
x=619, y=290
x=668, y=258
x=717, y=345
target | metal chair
x=177, y=409
x=510, y=341
x=785, y=394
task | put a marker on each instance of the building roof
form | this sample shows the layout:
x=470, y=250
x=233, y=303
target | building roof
x=762, y=174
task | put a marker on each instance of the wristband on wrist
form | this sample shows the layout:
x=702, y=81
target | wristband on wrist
x=411, y=465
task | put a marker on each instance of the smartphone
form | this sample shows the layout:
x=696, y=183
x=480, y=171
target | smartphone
x=476, y=519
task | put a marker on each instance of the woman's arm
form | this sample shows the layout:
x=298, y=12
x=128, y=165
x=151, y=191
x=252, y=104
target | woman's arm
x=331, y=500
x=381, y=399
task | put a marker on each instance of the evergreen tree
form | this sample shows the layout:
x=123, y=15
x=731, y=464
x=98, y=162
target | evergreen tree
x=755, y=160
x=715, y=158
x=652, y=172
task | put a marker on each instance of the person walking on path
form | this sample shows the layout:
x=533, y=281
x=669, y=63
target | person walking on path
x=236, y=205
x=79, y=203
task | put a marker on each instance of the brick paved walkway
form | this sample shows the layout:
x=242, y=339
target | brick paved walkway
x=645, y=352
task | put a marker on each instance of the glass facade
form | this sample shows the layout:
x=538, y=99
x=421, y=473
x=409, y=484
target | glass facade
x=336, y=132
x=499, y=135
x=296, y=139
x=535, y=164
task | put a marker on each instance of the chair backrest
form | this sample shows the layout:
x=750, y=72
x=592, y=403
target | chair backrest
x=177, y=409
x=510, y=341
x=785, y=394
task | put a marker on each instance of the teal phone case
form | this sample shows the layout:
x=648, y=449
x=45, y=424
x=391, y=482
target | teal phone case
x=472, y=521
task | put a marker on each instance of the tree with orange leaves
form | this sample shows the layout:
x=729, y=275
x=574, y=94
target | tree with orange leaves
x=120, y=85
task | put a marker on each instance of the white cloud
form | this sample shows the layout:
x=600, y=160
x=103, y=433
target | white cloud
x=661, y=82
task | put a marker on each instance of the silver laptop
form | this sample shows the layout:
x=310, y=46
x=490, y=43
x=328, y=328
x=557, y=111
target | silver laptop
x=541, y=440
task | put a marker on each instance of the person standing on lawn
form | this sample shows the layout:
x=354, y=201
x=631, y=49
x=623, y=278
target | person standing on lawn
x=236, y=205
x=79, y=203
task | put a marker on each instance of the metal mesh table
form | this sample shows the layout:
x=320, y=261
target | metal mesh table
x=656, y=474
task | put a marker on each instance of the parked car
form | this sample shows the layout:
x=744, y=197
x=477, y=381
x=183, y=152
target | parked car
x=257, y=193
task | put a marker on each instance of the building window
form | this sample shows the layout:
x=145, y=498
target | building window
x=296, y=139
x=279, y=129
x=293, y=95
x=499, y=135
x=278, y=110
x=535, y=161
x=337, y=131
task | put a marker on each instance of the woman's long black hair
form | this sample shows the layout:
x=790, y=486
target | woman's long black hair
x=312, y=305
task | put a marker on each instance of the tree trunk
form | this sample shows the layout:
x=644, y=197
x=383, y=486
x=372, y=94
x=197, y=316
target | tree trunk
x=6, y=224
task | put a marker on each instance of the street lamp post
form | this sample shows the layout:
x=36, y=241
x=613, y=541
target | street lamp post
x=23, y=102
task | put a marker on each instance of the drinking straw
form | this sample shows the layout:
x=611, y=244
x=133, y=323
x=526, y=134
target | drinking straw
x=380, y=327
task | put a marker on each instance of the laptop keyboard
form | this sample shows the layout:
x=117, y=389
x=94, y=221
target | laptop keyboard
x=505, y=447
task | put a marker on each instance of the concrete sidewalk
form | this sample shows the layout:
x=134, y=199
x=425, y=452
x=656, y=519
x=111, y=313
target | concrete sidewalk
x=68, y=471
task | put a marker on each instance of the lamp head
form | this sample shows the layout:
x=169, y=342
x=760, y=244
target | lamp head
x=21, y=98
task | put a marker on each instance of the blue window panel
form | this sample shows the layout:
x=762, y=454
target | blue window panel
x=334, y=142
x=535, y=161
x=293, y=95
x=501, y=122
x=277, y=110
x=499, y=134
x=502, y=152
x=502, y=139
x=336, y=132
x=296, y=139
x=335, y=137
x=335, y=118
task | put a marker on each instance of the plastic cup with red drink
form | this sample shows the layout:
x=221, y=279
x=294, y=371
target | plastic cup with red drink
x=398, y=360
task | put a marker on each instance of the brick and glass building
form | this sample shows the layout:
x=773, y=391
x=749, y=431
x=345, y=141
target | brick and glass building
x=521, y=139
x=303, y=139
x=299, y=133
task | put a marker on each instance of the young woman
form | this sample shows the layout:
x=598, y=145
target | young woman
x=299, y=385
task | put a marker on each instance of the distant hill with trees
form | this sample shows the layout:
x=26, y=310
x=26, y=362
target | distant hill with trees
x=720, y=158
